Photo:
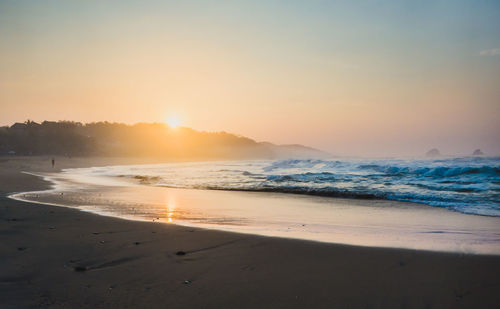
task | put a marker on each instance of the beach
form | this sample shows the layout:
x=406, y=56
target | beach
x=60, y=257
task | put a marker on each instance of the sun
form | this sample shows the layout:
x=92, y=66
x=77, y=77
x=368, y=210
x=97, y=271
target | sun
x=173, y=121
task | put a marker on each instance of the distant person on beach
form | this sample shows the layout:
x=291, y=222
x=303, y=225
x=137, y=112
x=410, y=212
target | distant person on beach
x=53, y=162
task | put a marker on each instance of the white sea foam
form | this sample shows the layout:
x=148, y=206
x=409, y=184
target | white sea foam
x=168, y=193
x=468, y=185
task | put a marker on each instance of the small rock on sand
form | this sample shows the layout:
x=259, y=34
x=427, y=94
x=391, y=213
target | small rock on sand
x=79, y=268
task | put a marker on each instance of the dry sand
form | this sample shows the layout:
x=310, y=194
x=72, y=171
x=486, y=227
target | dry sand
x=60, y=257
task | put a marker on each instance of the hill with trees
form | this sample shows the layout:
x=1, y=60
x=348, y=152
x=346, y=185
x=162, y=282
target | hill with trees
x=143, y=139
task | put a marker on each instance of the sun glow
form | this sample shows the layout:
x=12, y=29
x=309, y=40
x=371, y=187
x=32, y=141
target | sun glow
x=170, y=204
x=173, y=121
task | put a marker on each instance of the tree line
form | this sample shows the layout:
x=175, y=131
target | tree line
x=117, y=139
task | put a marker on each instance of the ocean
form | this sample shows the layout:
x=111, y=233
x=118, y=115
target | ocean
x=469, y=185
x=445, y=204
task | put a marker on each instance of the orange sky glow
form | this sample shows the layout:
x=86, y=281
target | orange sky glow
x=350, y=79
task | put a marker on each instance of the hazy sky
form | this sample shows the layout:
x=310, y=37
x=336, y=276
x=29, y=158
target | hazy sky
x=373, y=78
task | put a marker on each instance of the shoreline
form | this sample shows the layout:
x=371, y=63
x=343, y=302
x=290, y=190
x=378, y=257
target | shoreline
x=287, y=194
x=112, y=162
x=367, y=223
x=135, y=264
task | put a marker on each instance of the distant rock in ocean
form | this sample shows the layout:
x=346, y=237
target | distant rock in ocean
x=434, y=152
x=478, y=152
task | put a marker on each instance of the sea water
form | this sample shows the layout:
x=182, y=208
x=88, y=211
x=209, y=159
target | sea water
x=446, y=204
x=468, y=184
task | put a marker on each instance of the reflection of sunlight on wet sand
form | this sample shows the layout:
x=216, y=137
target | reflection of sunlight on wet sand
x=171, y=204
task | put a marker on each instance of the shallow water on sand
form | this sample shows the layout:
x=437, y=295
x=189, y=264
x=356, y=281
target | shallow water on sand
x=336, y=220
x=465, y=184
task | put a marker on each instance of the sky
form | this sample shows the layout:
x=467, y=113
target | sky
x=371, y=78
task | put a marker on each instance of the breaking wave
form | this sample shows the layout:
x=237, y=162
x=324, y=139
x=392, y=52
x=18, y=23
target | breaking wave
x=469, y=184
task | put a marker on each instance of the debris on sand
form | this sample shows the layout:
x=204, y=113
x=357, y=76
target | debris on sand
x=79, y=268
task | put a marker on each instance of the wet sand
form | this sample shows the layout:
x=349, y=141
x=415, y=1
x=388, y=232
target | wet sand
x=59, y=257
